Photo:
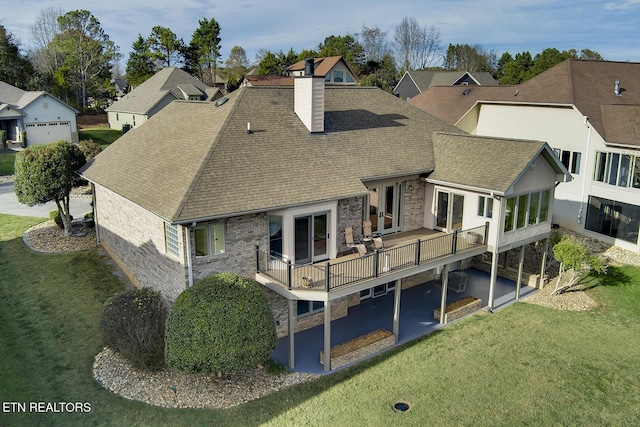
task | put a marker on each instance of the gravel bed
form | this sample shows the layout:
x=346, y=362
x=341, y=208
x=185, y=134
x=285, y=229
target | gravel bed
x=175, y=389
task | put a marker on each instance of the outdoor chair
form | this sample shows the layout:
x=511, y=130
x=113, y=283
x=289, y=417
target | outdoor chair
x=369, y=237
x=358, y=248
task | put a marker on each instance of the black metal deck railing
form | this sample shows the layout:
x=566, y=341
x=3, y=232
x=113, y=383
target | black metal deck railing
x=337, y=273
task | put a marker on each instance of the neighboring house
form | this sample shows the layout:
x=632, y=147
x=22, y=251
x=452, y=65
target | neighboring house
x=413, y=83
x=272, y=179
x=167, y=85
x=255, y=80
x=121, y=87
x=42, y=116
x=589, y=112
x=334, y=69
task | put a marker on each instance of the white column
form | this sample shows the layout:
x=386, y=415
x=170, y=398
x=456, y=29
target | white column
x=545, y=248
x=492, y=280
x=292, y=331
x=327, y=336
x=520, y=266
x=444, y=278
x=396, y=308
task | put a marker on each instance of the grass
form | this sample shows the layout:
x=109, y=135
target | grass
x=102, y=135
x=7, y=159
x=524, y=365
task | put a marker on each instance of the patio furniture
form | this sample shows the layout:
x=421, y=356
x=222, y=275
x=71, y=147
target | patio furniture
x=369, y=237
x=358, y=248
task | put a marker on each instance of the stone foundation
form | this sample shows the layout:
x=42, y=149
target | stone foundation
x=359, y=348
x=459, y=309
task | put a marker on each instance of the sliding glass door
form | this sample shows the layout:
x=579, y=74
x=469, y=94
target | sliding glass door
x=449, y=210
x=310, y=238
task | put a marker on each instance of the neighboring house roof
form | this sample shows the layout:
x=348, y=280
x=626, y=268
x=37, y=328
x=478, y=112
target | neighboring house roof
x=423, y=80
x=165, y=82
x=255, y=80
x=462, y=160
x=221, y=170
x=587, y=85
x=321, y=66
x=20, y=99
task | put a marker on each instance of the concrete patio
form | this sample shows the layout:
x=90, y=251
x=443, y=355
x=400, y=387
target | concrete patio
x=416, y=317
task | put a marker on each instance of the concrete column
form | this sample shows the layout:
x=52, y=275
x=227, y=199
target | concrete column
x=444, y=278
x=396, y=308
x=543, y=266
x=292, y=331
x=520, y=267
x=327, y=336
x=492, y=280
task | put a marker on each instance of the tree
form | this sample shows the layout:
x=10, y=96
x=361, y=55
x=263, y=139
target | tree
x=88, y=51
x=469, y=58
x=374, y=42
x=221, y=324
x=236, y=66
x=574, y=263
x=166, y=48
x=204, y=50
x=269, y=65
x=140, y=65
x=46, y=56
x=416, y=47
x=381, y=74
x=45, y=173
x=545, y=60
x=347, y=46
x=517, y=71
x=15, y=69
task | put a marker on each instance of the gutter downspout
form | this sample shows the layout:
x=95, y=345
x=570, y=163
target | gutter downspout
x=189, y=260
x=584, y=175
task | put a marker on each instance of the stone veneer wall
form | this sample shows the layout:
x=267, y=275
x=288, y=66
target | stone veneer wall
x=279, y=309
x=134, y=237
x=349, y=214
x=414, y=205
x=242, y=234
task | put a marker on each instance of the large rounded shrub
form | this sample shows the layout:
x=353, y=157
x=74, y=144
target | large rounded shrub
x=221, y=324
x=133, y=324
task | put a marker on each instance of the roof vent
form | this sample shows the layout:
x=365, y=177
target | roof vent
x=221, y=101
x=617, y=88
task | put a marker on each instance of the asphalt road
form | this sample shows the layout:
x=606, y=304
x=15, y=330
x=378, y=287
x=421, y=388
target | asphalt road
x=9, y=204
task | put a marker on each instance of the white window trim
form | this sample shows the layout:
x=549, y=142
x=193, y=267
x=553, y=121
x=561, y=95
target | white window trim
x=210, y=239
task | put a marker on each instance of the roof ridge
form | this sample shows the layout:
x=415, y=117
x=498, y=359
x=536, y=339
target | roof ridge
x=240, y=92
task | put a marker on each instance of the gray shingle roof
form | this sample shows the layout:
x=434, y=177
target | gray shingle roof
x=195, y=161
x=469, y=160
x=589, y=85
x=164, y=83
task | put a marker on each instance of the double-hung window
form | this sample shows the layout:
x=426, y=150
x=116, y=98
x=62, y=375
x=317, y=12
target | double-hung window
x=210, y=239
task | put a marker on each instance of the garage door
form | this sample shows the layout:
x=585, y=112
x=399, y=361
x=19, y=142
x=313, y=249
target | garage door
x=42, y=133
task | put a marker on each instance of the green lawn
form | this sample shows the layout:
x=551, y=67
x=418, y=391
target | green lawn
x=7, y=158
x=102, y=135
x=524, y=365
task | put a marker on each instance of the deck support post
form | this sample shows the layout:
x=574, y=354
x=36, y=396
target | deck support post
x=444, y=278
x=292, y=331
x=543, y=264
x=396, y=308
x=327, y=336
x=492, y=280
x=520, y=267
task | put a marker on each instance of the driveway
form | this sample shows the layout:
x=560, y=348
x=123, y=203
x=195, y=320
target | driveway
x=9, y=204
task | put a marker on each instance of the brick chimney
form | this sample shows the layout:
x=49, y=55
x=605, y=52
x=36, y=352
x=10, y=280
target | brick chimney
x=308, y=93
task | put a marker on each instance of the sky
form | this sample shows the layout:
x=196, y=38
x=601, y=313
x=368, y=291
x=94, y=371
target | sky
x=611, y=28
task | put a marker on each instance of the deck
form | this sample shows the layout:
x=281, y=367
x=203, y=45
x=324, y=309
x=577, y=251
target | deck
x=402, y=252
